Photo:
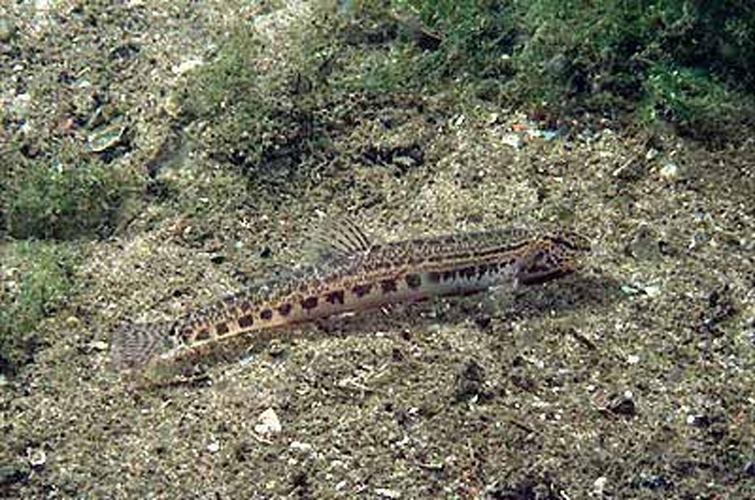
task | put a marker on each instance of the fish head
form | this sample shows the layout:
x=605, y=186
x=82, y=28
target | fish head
x=550, y=257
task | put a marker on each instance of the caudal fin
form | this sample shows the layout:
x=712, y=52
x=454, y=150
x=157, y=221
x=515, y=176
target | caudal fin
x=133, y=345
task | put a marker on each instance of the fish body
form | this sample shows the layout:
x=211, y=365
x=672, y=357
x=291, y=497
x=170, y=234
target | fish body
x=353, y=274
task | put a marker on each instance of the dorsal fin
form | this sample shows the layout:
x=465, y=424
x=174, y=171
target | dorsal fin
x=338, y=238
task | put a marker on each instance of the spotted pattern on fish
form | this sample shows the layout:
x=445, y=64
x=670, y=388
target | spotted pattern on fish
x=358, y=275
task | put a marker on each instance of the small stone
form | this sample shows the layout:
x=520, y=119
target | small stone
x=671, y=172
x=404, y=161
x=172, y=105
x=107, y=136
x=512, y=140
x=37, y=458
x=7, y=30
x=624, y=405
x=20, y=106
x=470, y=382
x=268, y=423
x=99, y=345
x=301, y=447
x=700, y=421
x=599, y=486
x=387, y=493
x=73, y=321
x=187, y=65
x=644, y=244
x=652, y=290
x=213, y=447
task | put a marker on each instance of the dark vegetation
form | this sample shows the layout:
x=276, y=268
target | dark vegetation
x=649, y=63
x=68, y=197
x=691, y=64
x=36, y=276
x=687, y=64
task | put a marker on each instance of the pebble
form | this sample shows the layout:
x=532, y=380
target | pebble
x=599, y=486
x=268, y=423
x=512, y=140
x=633, y=359
x=37, y=458
x=172, y=105
x=387, y=493
x=652, y=290
x=21, y=105
x=107, y=136
x=671, y=172
x=187, y=65
x=99, y=345
x=644, y=244
x=213, y=447
x=301, y=447
x=7, y=30
x=404, y=161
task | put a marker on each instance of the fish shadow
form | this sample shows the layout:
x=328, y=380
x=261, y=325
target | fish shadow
x=563, y=297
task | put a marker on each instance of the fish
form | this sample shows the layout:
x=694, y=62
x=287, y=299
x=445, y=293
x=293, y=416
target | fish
x=352, y=273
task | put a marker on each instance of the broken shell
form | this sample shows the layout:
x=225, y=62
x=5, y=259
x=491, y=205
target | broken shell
x=106, y=136
x=37, y=458
x=268, y=423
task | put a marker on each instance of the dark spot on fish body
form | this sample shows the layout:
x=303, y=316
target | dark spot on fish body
x=468, y=272
x=434, y=277
x=413, y=281
x=449, y=275
x=285, y=309
x=246, y=321
x=335, y=297
x=266, y=314
x=204, y=334
x=361, y=290
x=245, y=306
x=309, y=302
x=482, y=269
x=388, y=286
x=221, y=328
x=185, y=335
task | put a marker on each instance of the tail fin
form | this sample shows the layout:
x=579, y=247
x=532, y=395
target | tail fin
x=134, y=345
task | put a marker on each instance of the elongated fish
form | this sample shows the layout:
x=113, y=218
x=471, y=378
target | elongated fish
x=355, y=274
